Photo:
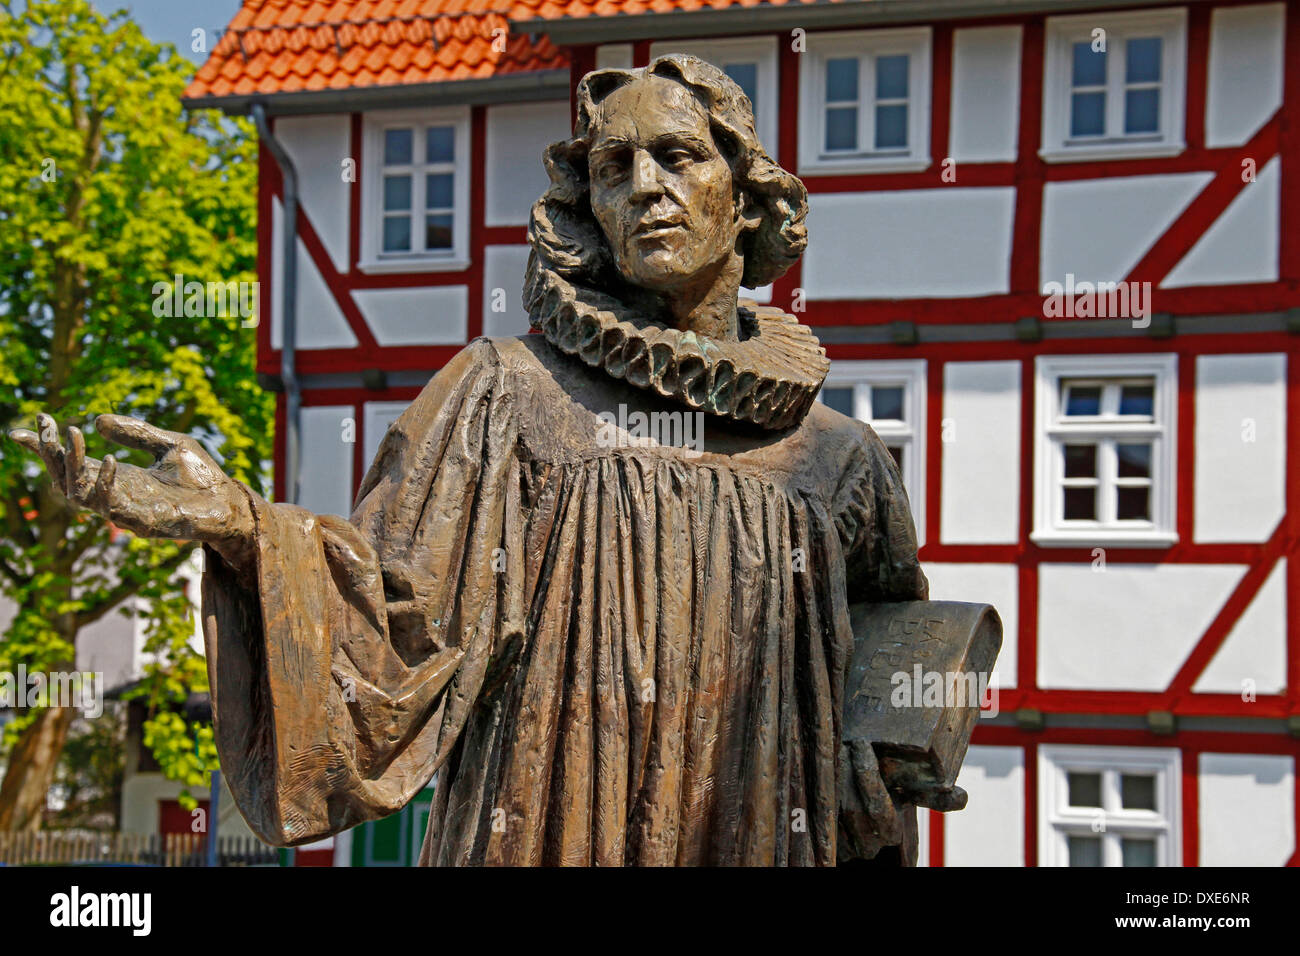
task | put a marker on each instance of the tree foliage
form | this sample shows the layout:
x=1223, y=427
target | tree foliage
x=107, y=189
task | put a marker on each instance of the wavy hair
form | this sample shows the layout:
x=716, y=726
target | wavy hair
x=567, y=241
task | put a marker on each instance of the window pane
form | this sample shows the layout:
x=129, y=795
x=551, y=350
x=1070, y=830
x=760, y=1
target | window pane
x=1143, y=56
x=397, y=234
x=1088, y=114
x=1081, y=504
x=891, y=126
x=1134, y=460
x=1137, y=791
x=1134, y=504
x=842, y=80
x=1083, y=400
x=842, y=128
x=1085, y=851
x=437, y=231
x=1138, y=852
x=1085, y=788
x=840, y=399
x=438, y=191
x=397, y=192
x=887, y=402
x=1142, y=111
x=896, y=452
x=1080, y=461
x=891, y=77
x=397, y=147
x=1089, y=66
x=1137, y=400
x=746, y=77
x=441, y=145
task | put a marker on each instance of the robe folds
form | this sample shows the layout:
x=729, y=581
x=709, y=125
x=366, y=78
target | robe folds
x=610, y=652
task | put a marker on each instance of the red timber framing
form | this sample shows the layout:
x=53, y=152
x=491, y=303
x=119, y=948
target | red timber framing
x=1028, y=174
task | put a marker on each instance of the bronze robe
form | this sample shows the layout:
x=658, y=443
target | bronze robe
x=625, y=655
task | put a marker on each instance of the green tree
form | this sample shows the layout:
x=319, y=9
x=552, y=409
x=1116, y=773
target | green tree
x=107, y=189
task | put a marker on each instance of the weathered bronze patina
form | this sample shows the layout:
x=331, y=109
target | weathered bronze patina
x=603, y=580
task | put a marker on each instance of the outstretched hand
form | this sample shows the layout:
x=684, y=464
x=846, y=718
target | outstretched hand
x=184, y=494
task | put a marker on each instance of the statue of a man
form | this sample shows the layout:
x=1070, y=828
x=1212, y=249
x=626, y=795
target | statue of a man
x=611, y=649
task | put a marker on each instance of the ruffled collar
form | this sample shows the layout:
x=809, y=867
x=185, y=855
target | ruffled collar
x=769, y=378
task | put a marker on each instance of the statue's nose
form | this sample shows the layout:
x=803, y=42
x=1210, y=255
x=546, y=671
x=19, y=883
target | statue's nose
x=645, y=176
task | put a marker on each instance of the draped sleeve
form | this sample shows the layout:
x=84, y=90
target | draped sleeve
x=875, y=525
x=344, y=660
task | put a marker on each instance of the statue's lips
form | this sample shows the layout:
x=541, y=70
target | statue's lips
x=659, y=228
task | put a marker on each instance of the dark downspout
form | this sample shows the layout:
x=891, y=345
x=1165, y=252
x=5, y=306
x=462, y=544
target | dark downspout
x=289, y=276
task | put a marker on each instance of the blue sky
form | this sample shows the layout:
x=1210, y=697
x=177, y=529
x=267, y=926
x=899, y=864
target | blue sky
x=172, y=21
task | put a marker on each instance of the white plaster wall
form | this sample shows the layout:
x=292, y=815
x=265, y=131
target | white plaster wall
x=1253, y=655
x=996, y=584
x=1244, y=80
x=325, y=482
x=503, y=268
x=991, y=830
x=320, y=320
x=909, y=243
x=1242, y=244
x=1240, y=450
x=980, y=480
x=1131, y=212
x=318, y=145
x=985, y=94
x=1127, y=627
x=1247, y=809
x=378, y=417
x=433, y=315
x=517, y=133
x=142, y=791
x=611, y=56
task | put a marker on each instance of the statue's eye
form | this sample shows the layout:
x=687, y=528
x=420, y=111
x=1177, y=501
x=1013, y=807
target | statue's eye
x=677, y=157
x=611, y=171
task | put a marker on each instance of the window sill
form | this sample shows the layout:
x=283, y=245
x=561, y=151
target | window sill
x=430, y=264
x=857, y=164
x=1104, y=538
x=1103, y=151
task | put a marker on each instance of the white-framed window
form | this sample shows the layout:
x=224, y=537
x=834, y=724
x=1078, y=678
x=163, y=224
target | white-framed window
x=865, y=102
x=1115, y=85
x=1109, y=806
x=751, y=62
x=415, y=190
x=890, y=397
x=1105, y=450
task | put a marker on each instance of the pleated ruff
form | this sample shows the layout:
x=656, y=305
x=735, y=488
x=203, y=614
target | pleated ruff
x=673, y=696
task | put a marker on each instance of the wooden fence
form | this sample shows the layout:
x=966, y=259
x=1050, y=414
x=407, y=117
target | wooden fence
x=90, y=848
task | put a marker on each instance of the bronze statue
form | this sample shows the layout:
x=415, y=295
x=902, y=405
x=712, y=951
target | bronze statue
x=603, y=580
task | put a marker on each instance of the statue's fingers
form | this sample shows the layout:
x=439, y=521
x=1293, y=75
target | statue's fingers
x=49, y=449
x=104, y=483
x=75, y=482
x=134, y=433
x=875, y=795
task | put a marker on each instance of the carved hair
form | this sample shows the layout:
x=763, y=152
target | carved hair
x=568, y=243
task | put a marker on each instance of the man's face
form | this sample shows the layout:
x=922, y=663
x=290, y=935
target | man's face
x=660, y=188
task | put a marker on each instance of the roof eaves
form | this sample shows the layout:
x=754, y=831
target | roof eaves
x=682, y=24
x=517, y=87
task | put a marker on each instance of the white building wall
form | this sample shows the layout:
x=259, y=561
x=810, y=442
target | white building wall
x=1240, y=448
x=1244, y=78
x=318, y=146
x=996, y=584
x=517, y=134
x=1247, y=809
x=985, y=112
x=909, y=243
x=432, y=315
x=980, y=480
x=991, y=830
x=325, y=485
